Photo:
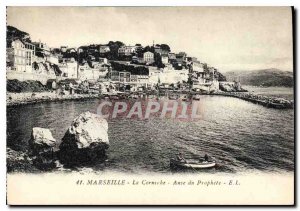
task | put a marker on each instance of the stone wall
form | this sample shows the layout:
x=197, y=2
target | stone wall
x=22, y=76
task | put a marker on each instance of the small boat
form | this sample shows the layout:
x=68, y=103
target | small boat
x=192, y=164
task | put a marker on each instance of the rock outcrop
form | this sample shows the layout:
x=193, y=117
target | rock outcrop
x=18, y=161
x=41, y=140
x=41, y=147
x=85, y=140
x=231, y=87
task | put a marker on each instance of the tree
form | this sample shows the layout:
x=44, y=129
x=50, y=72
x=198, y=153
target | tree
x=114, y=47
x=148, y=48
x=165, y=47
x=157, y=60
x=12, y=33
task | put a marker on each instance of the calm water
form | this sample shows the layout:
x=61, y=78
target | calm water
x=239, y=135
x=282, y=92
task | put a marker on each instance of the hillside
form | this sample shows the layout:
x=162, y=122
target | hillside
x=13, y=33
x=265, y=77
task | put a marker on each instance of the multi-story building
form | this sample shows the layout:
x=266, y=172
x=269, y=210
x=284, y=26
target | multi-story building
x=69, y=68
x=148, y=57
x=20, y=55
x=122, y=77
x=42, y=49
x=127, y=50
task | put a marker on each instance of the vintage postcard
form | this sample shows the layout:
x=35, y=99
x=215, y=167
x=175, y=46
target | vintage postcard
x=150, y=106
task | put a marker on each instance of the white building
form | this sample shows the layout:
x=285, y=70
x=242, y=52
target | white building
x=148, y=57
x=92, y=73
x=20, y=56
x=164, y=59
x=197, y=67
x=167, y=76
x=69, y=69
x=127, y=50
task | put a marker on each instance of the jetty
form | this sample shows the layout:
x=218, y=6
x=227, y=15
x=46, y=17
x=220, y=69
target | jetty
x=266, y=101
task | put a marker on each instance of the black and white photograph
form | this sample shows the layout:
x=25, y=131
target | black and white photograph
x=192, y=103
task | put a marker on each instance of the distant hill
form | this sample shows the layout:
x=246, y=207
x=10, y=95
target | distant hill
x=265, y=77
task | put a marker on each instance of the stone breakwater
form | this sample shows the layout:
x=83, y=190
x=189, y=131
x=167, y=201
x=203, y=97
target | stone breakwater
x=15, y=99
x=270, y=102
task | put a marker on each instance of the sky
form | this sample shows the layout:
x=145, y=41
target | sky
x=228, y=38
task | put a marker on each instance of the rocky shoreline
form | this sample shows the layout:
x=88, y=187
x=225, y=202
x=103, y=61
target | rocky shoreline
x=85, y=142
x=16, y=99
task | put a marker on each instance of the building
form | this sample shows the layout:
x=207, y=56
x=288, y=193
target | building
x=69, y=69
x=42, y=49
x=127, y=50
x=20, y=56
x=148, y=57
x=164, y=59
x=64, y=49
x=172, y=56
x=103, y=60
x=168, y=76
x=122, y=77
x=181, y=57
x=197, y=67
x=104, y=49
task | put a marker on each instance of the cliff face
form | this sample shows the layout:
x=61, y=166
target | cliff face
x=266, y=77
x=220, y=76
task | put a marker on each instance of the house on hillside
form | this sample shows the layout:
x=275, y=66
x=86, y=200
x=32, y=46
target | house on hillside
x=148, y=57
x=68, y=68
x=42, y=49
x=20, y=55
x=127, y=50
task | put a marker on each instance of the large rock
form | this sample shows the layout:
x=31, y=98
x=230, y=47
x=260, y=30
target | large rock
x=41, y=145
x=41, y=140
x=231, y=87
x=85, y=140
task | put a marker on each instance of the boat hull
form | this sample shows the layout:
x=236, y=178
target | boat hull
x=200, y=165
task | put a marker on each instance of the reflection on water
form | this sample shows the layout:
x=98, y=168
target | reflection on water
x=239, y=135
